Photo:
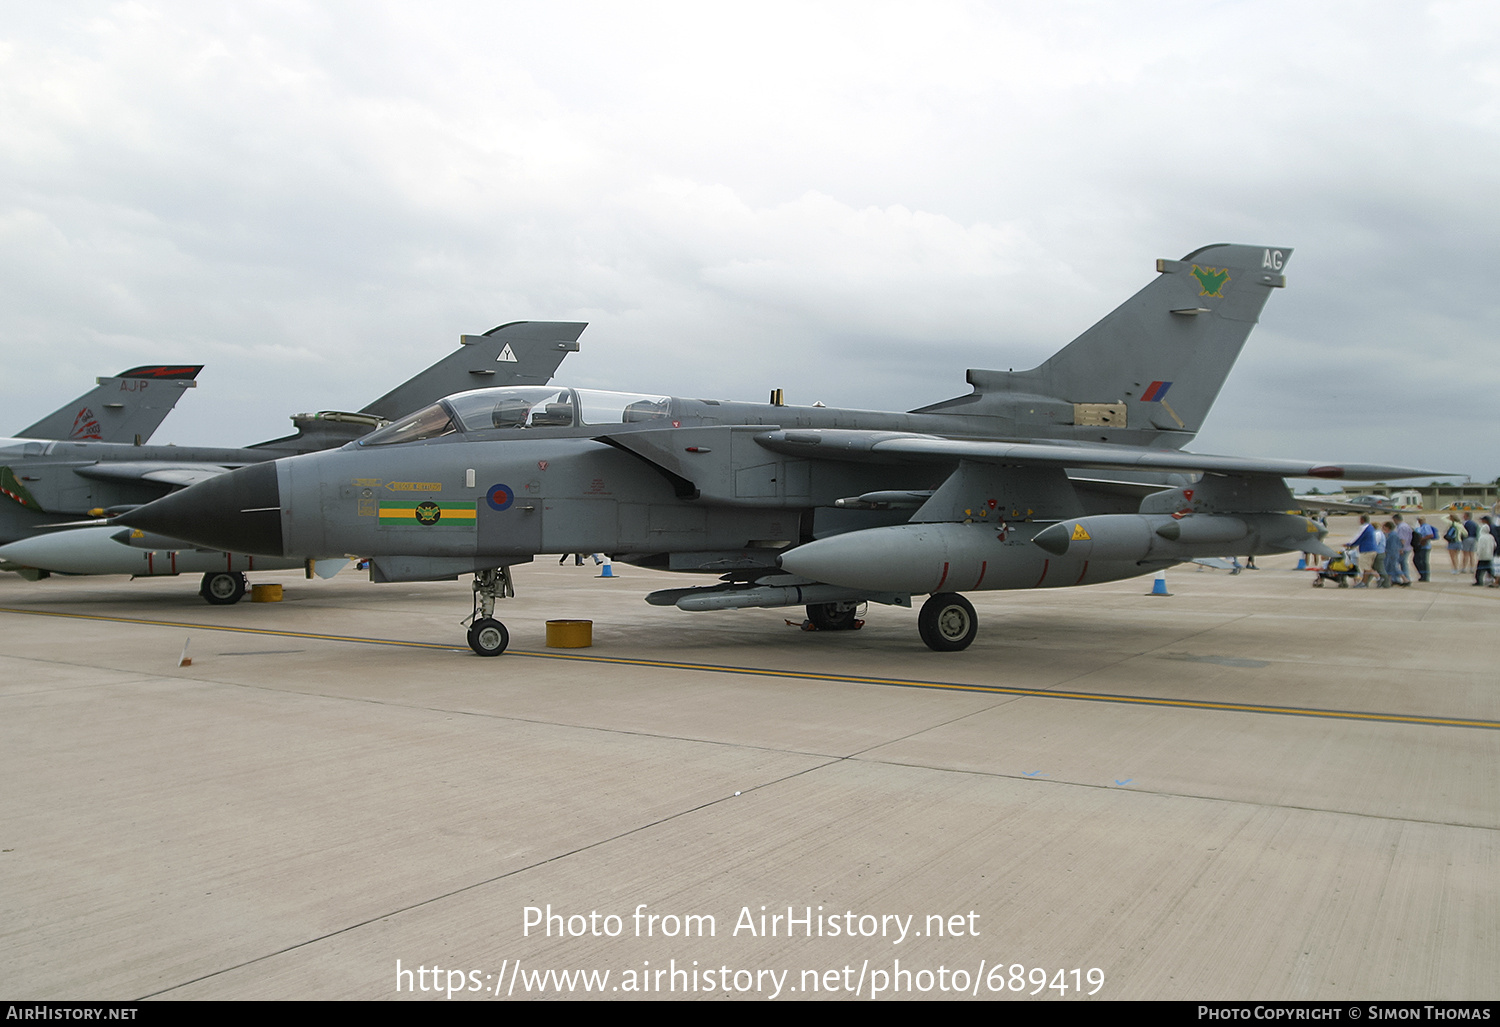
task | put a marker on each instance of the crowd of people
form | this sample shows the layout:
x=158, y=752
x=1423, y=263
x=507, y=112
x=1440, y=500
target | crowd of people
x=1386, y=550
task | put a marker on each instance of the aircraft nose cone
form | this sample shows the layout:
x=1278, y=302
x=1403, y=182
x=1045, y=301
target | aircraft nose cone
x=239, y=511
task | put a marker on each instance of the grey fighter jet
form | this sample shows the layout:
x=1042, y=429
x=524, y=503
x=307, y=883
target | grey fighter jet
x=44, y=484
x=1007, y=487
x=127, y=407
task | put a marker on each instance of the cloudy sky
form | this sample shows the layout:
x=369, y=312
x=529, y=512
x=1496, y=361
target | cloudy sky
x=854, y=202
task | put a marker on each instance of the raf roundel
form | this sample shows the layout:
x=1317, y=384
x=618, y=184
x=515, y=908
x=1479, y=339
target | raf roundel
x=500, y=497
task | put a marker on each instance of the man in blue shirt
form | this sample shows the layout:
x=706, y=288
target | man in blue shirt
x=1365, y=542
x=1423, y=535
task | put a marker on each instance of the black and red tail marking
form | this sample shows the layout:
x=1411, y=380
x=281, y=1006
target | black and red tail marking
x=185, y=372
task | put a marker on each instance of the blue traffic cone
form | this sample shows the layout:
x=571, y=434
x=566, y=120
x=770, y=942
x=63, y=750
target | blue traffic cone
x=1302, y=562
x=1160, y=586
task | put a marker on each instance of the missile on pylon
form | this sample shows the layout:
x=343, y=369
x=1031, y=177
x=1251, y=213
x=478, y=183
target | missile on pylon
x=741, y=597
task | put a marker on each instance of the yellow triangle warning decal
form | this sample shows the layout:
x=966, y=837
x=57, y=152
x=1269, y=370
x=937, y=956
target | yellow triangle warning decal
x=1079, y=535
x=507, y=354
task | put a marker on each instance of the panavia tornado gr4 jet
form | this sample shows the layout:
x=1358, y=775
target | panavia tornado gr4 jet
x=827, y=508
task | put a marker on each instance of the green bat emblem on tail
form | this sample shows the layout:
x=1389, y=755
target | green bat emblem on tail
x=1211, y=279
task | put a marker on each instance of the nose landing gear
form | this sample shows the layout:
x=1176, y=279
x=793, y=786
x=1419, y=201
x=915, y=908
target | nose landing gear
x=487, y=636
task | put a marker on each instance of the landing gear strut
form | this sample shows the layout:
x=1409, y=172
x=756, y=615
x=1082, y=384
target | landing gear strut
x=947, y=622
x=487, y=636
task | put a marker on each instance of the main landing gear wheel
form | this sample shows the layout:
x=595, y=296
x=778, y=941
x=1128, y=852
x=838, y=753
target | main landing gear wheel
x=488, y=637
x=947, y=622
x=834, y=616
x=222, y=588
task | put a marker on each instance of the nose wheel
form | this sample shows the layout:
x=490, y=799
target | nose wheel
x=487, y=636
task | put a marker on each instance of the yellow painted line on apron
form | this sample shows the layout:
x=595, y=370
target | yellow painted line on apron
x=218, y=627
x=857, y=679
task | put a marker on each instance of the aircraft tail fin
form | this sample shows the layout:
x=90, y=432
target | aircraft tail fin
x=127, y=407
x=1148, y=372
x=518, y=353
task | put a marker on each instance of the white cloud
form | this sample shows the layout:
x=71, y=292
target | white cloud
x=855, y=199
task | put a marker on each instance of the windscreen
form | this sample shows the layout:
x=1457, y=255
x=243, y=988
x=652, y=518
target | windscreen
x=429, y=423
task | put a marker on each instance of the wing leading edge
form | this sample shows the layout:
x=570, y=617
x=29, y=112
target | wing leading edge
x=840, y=444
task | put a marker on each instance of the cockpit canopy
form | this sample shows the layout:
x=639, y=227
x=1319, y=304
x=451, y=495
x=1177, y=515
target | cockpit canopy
x=534, y=406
